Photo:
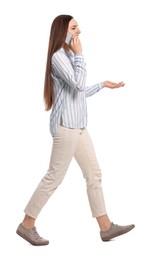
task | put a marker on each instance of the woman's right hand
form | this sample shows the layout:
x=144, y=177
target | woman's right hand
x=110, y=84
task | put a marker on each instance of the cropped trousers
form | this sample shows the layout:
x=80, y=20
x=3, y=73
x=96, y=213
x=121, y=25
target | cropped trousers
x=69, y=143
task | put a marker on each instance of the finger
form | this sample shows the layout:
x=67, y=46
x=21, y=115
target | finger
x=75, y=39
x=121, y=84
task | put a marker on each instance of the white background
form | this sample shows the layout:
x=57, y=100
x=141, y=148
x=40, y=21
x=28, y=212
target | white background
x=117, y=45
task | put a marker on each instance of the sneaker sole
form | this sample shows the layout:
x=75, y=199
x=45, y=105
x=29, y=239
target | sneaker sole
x=29, y=240
x=119, y=233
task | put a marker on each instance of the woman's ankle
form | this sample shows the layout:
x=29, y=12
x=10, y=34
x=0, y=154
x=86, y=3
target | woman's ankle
x=28, y=222
x=104, y=223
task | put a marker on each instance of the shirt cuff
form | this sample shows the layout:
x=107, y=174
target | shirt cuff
x=101, y=85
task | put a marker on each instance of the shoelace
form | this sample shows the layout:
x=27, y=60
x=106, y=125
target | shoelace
x=35, y=233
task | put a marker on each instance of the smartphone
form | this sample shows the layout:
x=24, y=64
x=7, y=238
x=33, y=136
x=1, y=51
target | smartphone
x=68, y=38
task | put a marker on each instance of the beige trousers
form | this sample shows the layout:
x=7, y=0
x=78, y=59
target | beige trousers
x=69, y=143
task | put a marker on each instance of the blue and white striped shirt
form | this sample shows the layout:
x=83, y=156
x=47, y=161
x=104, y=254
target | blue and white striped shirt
x=70, y=91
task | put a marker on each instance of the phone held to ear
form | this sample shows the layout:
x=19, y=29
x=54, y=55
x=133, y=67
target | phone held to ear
x=68, y=38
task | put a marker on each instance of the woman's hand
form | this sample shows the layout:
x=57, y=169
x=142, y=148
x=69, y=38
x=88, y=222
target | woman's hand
x=109, y=84
x=76, y=46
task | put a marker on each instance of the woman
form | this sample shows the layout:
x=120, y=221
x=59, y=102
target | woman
x=65, y=93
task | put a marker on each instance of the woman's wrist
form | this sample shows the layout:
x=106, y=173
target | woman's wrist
x=103, y=85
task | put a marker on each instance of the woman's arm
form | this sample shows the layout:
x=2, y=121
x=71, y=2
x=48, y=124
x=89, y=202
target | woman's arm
x=105, y=84
x=73, y=74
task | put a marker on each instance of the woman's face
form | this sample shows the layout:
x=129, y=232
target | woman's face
x=73, y=28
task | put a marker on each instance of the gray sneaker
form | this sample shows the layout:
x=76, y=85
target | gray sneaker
x=31, y=235
x=115, y=231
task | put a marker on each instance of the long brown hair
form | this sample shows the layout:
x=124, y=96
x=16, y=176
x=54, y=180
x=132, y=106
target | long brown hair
x=57, y=37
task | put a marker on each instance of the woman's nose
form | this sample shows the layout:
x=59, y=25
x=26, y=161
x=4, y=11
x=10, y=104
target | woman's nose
x=78, y=31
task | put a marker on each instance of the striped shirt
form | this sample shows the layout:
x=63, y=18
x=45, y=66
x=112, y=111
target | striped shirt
x=70, y=91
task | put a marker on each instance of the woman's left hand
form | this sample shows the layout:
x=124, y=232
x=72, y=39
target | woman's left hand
x=109, y=84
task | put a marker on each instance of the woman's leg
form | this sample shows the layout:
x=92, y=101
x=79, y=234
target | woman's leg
x=86, y=158
x=64, y=146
